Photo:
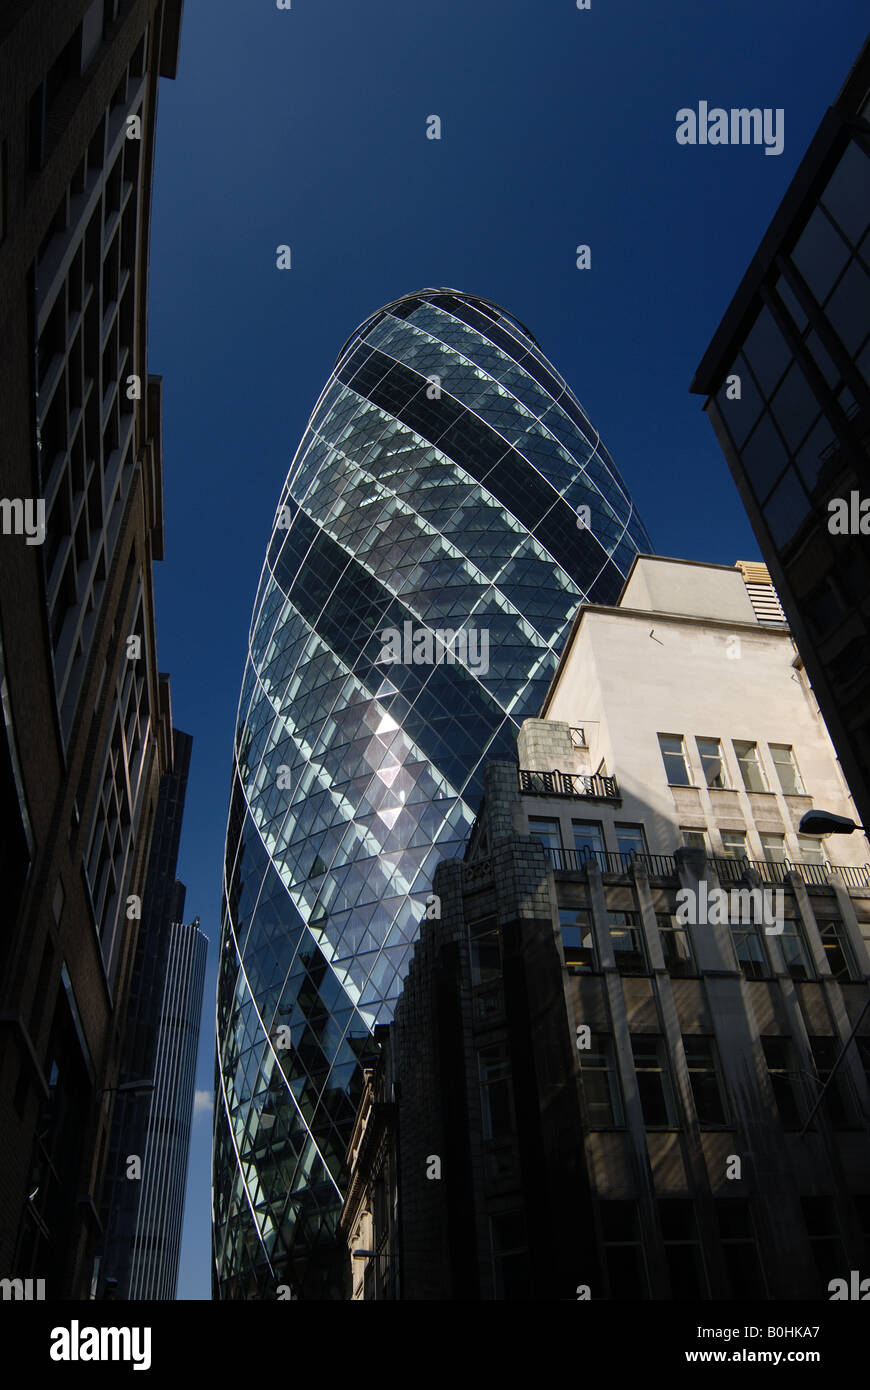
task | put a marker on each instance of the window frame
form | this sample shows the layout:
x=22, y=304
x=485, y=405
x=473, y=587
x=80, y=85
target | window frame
x=798, y=789
x=665, y=754
x=758, y=765
x=724, y=783
x=663, y=1072
x=712, y=1068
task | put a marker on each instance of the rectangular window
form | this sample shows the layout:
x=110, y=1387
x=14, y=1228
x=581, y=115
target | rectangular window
x=577, y=940
x=693, y=839
x=623, y=1250
x=733, y=844
x=510, y=1260
x=710, y=753
x=485, y=941
x=782, y=755
x=751, y=955
x=740, y=1248
x=674, y=759
x=783, y=1075
x=794, y=949
x=810, y=849
x=705, y=1082
x=547, y=831
x=751, y=770
x=496, y=1092
x=773, y=847
x=630, y=839
x=683, y=1249
x=627, y=941
x=600, y=1083
x=588, y=838
x=823, y=1229
x=653, y=1081
x=676, y=946
x=837, y=952
x=838, y=1103
x=863, y=1046
x=2, y=189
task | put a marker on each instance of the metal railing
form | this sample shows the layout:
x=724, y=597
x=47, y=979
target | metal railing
x=814, y=875
x=575, y=861
x=728, y=870
x=578, y=785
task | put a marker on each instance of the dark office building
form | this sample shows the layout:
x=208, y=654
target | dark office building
x=787, y=381
x=143, y=1214
x=86, y=725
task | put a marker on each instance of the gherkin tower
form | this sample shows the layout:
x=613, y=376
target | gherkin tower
x=441, y=485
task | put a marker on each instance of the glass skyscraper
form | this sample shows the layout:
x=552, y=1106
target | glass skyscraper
x=448, y=481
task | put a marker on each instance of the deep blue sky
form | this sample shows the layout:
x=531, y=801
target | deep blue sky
x=307, y=127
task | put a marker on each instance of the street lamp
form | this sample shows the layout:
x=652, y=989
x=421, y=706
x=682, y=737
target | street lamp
x=826, y=823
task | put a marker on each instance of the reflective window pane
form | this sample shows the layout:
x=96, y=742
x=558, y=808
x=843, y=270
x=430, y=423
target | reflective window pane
x=849, y=307
x=787, y=508
x=764, y=457
x=767, y=351
x=820, y=255
x=847, y=196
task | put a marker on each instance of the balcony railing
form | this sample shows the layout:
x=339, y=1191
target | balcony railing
x=729, y=870
x=575, y=861
x=578, y=785
x=815, y=875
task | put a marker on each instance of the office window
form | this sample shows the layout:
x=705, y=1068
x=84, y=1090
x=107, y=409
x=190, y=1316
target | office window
x=837, y=952
x=630, y=839
x=810, y=849
x=547, y=831
x=627, y=941
x=733, y=843
x=751, y=955
x=710, y=753
x=588, y=838
x=704, y=1077
x=674, y=759
x=676, y=945
x=838, y=1103
x=751, y=770
x=823, y=1229
x=693, y=839
x=510, y=1260
x=797, y=958
x=773, y=847
x=779, y=1057
x=2, y=189
x=683, y=1249
x=862, y=1206
x=577, y=940
x=485, y=942
x=601, y=1083
x=496, y=1092
x=623, y=1250
x=782, y=755
x=740, y=1248
x=653, y=1081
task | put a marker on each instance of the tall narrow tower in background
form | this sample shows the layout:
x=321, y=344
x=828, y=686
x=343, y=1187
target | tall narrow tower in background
x=448, y=480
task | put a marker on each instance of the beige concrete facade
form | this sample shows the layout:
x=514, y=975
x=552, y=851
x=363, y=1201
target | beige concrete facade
x=684, y=654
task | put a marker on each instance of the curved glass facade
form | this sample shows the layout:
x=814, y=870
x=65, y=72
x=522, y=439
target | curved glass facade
x=438, y=488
